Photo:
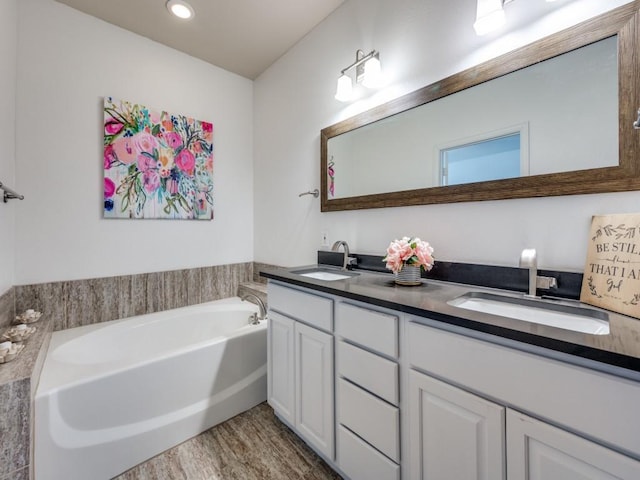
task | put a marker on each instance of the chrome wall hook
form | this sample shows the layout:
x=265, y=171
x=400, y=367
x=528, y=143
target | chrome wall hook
x=315, y=193
x=636, y=124
x=9, y=194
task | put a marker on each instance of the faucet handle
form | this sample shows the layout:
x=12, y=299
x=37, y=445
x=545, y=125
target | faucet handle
x=546, y=283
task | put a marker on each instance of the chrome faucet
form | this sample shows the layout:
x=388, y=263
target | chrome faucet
x=255, y=318
x=347, y=260
x=529, y=259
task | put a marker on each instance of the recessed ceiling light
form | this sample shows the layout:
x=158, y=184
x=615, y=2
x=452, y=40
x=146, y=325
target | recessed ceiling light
x=180, y=9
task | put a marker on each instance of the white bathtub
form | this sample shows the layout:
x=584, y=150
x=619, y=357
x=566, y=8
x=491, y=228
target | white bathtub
x=114, y=394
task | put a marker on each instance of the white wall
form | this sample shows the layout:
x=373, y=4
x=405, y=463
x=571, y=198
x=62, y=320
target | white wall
x=67, y=63
x=8, y=43
x=420, y=42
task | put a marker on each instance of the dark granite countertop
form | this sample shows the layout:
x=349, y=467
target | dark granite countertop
x=620, y=348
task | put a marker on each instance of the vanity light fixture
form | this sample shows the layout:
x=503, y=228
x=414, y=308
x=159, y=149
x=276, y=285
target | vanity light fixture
x=368, y=72
x=180, y=9
x=490, y=15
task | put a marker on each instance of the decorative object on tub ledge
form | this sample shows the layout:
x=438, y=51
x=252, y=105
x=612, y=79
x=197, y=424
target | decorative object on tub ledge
x=156, y=164
x=29, y=316
x=9, y=351
x=9, y=194
x=407, y=257
x=612, y=271
x=17, y=333
x=315, y=193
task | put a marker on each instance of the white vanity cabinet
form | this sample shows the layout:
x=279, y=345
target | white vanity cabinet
x=452, y=433
x=386, y=395
x=300, y=378
x=367, y=393
x=454, y=430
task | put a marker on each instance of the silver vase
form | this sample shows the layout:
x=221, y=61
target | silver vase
x=409, y=275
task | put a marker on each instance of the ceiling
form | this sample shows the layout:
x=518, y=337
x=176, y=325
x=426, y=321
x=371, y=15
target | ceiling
x=241, y=36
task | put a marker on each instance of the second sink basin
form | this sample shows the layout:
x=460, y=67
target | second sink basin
x=557, y=315
x=325, y=274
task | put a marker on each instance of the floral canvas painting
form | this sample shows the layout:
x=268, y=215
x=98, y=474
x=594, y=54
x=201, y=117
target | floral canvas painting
x=156, y=164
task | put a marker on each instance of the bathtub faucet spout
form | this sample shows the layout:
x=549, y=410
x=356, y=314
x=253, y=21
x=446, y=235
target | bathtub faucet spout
x=255, y=318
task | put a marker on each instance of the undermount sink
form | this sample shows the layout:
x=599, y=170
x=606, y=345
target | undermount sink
x=557, y=315
x=325, y=274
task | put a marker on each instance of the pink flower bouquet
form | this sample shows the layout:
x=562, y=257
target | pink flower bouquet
x=409, y=251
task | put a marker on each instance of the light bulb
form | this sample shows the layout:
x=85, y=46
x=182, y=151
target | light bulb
x=372, y=73
x=489, y=22
x=489, y=16
x=345, y=88
x=180, y=9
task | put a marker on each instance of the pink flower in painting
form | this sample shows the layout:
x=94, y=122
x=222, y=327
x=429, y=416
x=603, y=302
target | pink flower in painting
x=109, y=157
x=145, y=142
x=173, y=139
x=112, y=126
x=154, y=116
x=125, y=150
x=186, y=161
x=109, y=188
x=209, y=164
x=145, y=162
x=151, y=181
x=207, y=128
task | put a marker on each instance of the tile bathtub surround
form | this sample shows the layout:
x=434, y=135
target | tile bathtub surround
x=18, y=381
x=83, y=302
x=257, y=268
x=7, y=309
x=14, y=426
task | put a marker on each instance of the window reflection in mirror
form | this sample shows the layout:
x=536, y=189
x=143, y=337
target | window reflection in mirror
x=492, y=159
x=569, y=104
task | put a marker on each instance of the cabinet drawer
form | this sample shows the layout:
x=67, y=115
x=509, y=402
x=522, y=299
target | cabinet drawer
x=372, y=419
x=361, y=462
x=373, y=373
x=371, y=329
x=306, y=307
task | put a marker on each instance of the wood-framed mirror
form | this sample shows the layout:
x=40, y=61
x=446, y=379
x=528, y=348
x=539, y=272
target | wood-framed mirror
x=614, y=34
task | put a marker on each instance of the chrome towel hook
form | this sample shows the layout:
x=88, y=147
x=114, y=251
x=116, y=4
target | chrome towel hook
x=315, y=193
x=636, y=124
x=9, y=194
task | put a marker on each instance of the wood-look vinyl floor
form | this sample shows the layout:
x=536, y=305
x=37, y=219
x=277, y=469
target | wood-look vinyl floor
x=254, y=445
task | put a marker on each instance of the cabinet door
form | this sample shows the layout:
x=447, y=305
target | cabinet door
x=453, y=434
x=314, y=387
x=539, y=451
x=280, y=370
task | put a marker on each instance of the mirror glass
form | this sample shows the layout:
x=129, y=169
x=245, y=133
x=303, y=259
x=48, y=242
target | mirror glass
x=552, y=118
x=559, y=115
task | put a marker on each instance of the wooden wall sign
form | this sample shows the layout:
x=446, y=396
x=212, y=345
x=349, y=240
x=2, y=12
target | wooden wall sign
x=612, y=272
